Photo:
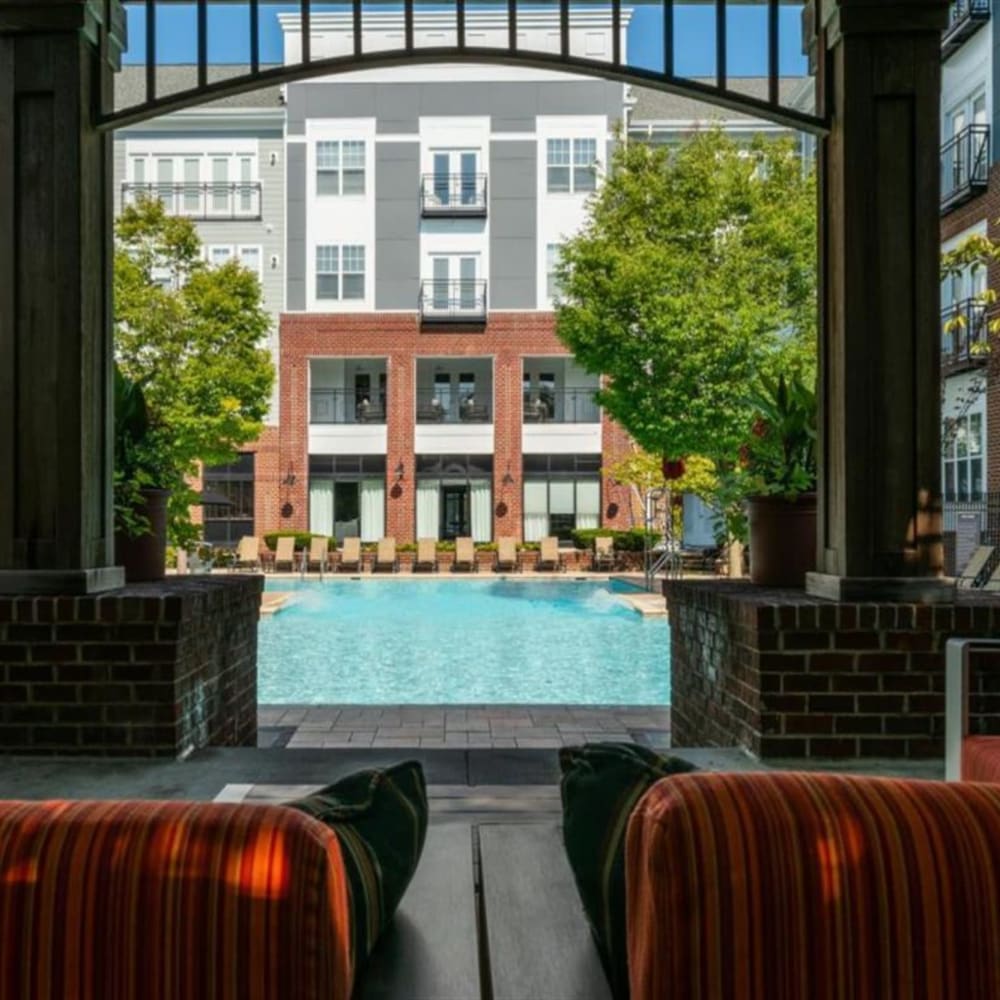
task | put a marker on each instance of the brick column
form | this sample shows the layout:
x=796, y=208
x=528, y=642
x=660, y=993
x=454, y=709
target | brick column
x=401, y=494
x=291, y=512
x=620, y=506
x=57, y=61
x=508, y=517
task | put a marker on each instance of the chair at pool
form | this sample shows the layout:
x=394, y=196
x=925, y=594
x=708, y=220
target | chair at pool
x=284, y=553
x=506, y=560
x=465, y=555
x=319, y=553
x=549, y=556
x=248, y=553
x=604, y=553
x=385, y=556
x=426, y=558
x=350, y=556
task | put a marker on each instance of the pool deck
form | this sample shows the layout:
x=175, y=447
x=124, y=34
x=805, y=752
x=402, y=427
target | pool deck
x=483, y=727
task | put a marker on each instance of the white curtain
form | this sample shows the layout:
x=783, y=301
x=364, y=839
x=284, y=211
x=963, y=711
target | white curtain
x=588, y=503
x=321, y=507
x=536, y=510
x=482, y=510
x=372, y=509
x=428, y=509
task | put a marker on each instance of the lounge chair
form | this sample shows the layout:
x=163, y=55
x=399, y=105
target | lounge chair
x=350, y=555
x=285, y=553
x=506, y=556
x=604, y=553
x=385, y=556
x=465, y=555
x=975, y=566
x=319, y=553
x=248, y=553
x=549, y=557
x=426, y=558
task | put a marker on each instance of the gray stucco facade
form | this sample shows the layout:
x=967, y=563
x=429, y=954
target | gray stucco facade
x=513, y=224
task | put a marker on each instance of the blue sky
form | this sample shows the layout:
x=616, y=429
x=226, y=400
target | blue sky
x=694, y=50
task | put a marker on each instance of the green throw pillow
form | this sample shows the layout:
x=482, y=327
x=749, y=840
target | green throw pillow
x=380, y=818
x=601, y=785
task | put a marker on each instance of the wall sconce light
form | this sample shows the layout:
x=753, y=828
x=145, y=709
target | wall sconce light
x=274, y=262
x=400, y=470
x=289, y=479
x=508, y=479
x=273, y=159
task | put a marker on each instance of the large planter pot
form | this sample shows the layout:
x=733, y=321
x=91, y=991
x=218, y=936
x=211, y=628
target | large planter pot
x=782, y=540
x=145, y=558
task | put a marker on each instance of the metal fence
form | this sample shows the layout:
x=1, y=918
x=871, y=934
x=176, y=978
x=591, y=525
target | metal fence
x=967, y=524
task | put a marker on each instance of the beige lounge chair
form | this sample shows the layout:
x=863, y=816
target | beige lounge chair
x=465, y=555
x=549, y=557
x=385, y=556
x=426, y=558
x=975, y=566
x=350, y=555
x=604, y=552
x=506, y=560
x=285, y=553
x=319, y=553
x=248, y=553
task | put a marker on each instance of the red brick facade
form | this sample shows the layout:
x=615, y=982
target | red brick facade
x=282, y=463
x=985, y=207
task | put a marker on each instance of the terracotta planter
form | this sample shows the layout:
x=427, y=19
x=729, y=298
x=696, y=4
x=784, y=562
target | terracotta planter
x=145, y=558
x=782, y=540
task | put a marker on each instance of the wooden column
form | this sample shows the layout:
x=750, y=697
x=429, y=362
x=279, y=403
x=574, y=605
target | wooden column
x=879, y=78
x=57, y=61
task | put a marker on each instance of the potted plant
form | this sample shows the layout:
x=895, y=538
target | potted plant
x=780, y=465
x=143, y=476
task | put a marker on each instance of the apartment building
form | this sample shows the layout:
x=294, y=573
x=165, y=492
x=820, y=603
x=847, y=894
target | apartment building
x=970, y=205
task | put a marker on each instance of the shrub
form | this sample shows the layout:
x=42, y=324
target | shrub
x=630, y=540
x=407, y=547
x=446, y=546
x=486, y=546
x=583, y=538
x=302, y=539
x=529, y=546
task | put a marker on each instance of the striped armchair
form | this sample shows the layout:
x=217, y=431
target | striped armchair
x=782, y=886
x=170, y=901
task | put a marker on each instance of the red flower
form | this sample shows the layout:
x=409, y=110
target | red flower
x=673, y=468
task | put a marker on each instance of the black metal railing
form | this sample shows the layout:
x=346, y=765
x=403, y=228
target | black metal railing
x=965, y=17
x=437, y=407
x=561, y=406
x=462, y=195
x=462, y=301
x=345, y=406
x=965, y=334
x=241, y=200
x=968, y=523
x=965, y=165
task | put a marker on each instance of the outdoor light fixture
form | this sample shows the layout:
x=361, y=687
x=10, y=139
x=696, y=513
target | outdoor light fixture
x=399, y=472
x=289, y=479
x=508, y=479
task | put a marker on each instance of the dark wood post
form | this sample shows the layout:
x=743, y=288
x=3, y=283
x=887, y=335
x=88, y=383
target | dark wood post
x=879, y=78
x=57, y=60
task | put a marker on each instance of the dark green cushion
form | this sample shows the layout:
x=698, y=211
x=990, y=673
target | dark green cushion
x=601, y=784
x=380, y=818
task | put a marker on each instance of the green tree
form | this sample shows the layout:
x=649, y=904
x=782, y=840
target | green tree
x=694, y=274
x=191, y=335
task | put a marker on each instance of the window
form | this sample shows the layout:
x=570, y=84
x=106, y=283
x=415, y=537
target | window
x=232, y=487
x=200, y=185
x=551, y=263
x=572, y=164
x=347, y=496
x=220, y=184
x=340, y=167
x=559, y=504
x=340, y=272
x=455, y=177
x=219, y=255
x=250, y=259
x=192, y=185
x=963, y=458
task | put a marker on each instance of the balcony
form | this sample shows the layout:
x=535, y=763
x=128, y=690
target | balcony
x=447, y=302
x=965, y=166
x=202, y=202
x=965, y=336
x=561, y=406
x=965, y=18
x=453, y=196
x=344, y=406
x=432, y=408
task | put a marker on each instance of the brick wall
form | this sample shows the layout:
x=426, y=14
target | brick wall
x=785, y=675
x=149, y=670
x=399, y=337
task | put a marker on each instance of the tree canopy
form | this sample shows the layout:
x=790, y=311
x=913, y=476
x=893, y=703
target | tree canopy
x=193, y=336
x=694, y=274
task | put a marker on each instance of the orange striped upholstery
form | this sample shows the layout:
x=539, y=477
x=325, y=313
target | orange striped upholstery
x=170, y=901
x=781, y=886
x=981, y=758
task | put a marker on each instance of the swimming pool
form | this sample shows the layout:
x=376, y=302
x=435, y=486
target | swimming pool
x=383, y=642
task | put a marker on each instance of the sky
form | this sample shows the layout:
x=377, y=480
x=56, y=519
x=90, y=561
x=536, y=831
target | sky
x=694, y=32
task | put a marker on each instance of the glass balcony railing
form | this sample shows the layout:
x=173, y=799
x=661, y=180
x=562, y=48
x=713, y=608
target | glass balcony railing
x=561, y=406
x=345, y=406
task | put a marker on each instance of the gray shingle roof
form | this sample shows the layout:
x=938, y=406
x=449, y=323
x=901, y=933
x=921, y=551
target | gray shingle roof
x=652, y=106
x=130, y=86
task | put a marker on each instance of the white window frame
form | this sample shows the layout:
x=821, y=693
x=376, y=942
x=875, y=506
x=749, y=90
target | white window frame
x=577, y=163
x=256, y=248
x=341, y=254
x=239, y=204
x=338, y=166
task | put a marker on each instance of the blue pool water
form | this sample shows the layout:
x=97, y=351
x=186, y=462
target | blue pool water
x=462, y=642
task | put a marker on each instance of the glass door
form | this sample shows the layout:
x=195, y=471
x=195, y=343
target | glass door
x=346, y=510
x=467, y=282
x=440, y=283
x=455, y=519
x=467, y=162
x=442, y=174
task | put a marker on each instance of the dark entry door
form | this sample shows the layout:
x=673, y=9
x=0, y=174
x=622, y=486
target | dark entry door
x=455, y=516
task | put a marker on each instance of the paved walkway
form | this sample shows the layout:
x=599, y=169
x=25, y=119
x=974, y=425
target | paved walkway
x=458, y=726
